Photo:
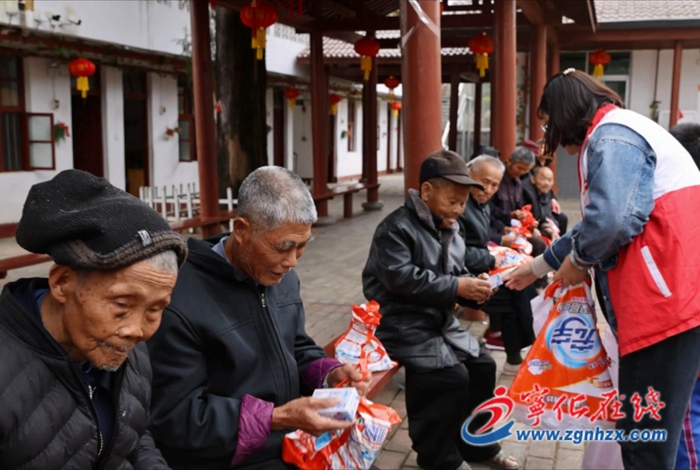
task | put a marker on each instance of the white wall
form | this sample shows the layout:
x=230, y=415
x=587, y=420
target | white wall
x=166, y=169
x=348, y=163
x=113, y=126
x=14, y=186
x=283, y=47
x=393, y=128
x=154, y=25
x=383, y=131
x=642, y=82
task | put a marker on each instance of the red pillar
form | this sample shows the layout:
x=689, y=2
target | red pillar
x=675, y=83
x=319, y=117
x=506, y=86
x=202, y=75
x=553, y=59
x=369, y=138
x=421, y=73
x=477, y=117
x=494, y=135
x=454, y=108
x=538, y=77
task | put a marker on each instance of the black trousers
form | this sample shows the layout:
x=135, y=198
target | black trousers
x=439, y=401
x=512, y=310
x=671, y=367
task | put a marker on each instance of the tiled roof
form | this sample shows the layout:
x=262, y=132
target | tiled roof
x=337, y=49
x=609, y=11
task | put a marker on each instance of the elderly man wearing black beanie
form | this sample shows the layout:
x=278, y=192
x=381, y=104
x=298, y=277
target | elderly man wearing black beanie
x=75, y=385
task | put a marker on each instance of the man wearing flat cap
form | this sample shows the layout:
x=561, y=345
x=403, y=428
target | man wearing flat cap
x=416, y=272
x=74, y=380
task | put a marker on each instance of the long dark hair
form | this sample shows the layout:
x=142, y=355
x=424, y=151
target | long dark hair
x=571, y=99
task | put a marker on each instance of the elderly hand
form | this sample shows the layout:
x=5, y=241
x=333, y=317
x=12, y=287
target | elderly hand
x=350, y=375
x=302, y=413
x=519, y=278
x=498, y=261
x=472, y=288
x=569, y=274
x=556, y=208
x=508, y=239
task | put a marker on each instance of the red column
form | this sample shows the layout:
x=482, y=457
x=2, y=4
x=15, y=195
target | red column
x=506, y=86
x=369, y=138
x=538, y=77
x=553, y=59
x=477, y=117
x=202, y=75
x=421, y=73
x=454, y=108
x=675, y=83
x=319, y=117
x=494, y=135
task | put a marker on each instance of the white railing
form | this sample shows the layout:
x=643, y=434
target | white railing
x=176, y=203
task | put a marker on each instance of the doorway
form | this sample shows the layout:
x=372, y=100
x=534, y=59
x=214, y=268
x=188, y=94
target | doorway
x=278, y=127
x=135, y=131
x=332, y=178
x=86, y=120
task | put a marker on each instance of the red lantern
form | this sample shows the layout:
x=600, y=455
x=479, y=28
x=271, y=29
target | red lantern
x=367, y=48
x=391, y=83
x=291, y=94
x=334, y=99
x=481, y=46
x=82, y=68
x=600, y=59
x=258, y=15
x=395, y=108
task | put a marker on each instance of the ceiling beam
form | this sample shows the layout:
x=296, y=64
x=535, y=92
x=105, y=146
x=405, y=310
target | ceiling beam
x=337, y=8
x=552, y=35
x=569, y=36
x=532, y=11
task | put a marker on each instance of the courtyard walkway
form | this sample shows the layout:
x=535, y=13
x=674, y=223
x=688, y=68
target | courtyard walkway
x=330, y=274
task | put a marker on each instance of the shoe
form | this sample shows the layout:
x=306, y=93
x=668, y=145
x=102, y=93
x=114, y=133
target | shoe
x=503, y=462
x=464, y=466
x=510, y=369
x=492, y=342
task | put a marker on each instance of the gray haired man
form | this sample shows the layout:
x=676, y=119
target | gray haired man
x=506, y=204
x=231, y=358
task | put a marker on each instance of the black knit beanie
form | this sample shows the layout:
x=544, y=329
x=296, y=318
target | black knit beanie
x=84, y=222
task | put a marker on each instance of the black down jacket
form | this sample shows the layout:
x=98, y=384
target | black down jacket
x=475, y=229
x=47, y=420
x=412, y=271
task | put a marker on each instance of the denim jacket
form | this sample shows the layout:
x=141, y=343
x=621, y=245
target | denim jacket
x=620, y=177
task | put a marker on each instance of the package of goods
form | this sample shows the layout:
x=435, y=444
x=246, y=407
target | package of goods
x=565, y=381
x=358, y=345
x=353, y=448
x=345, y=409
x=511, y=260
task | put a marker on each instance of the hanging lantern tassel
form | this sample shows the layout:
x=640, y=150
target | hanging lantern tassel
x=258, y=16
x=366, y=65
x=259, y=42
x=395, y=108
x=82, y=84
x=334, y=99
x=598, y=71
x=599, y=58
x=482, y=64
x=334, y=109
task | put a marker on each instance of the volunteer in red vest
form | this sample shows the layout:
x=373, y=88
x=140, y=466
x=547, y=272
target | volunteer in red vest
x=640, y=196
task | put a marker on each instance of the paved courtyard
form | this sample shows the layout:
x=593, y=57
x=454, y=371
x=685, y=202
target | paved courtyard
x=330, y=273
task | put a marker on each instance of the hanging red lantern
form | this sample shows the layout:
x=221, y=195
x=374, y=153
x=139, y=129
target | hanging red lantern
x=291, y=94
x=258, y=16
x=599, y=58
x=395, y=108
x=367, y=48
x=481, y=46
x=334, y=99
x=82, y=69
x=391, y=83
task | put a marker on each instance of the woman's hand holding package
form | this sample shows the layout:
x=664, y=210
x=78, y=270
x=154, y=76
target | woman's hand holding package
x=520, y=277
x=569, y=274
x=474, y=288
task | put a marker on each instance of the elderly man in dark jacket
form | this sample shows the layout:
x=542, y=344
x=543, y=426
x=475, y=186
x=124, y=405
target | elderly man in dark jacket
x=232, y=359
x=416, y=272
x=510, y=314
x=75, y=385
